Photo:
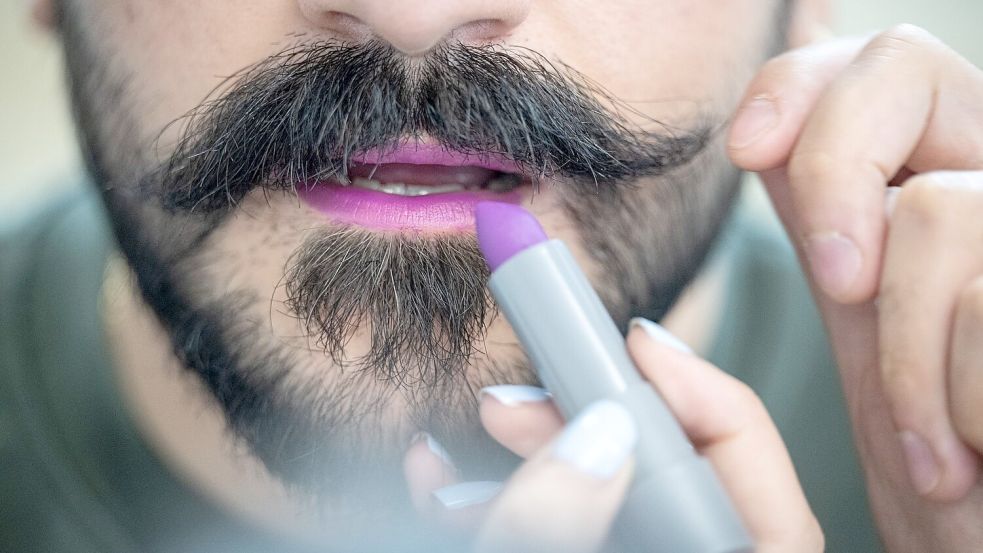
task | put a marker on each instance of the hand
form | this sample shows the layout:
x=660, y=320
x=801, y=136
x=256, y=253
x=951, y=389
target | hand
x=566, y=495
x=838, y=131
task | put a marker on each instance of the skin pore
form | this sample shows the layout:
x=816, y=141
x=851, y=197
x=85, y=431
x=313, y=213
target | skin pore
x=673, y=62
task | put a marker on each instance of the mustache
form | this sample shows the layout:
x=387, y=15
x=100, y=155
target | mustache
x=300, y=115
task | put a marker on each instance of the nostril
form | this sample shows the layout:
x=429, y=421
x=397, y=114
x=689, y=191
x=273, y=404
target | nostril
x=414, y=27
x=483, y=31
x=346, y=25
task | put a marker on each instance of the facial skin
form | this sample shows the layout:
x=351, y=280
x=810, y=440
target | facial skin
x=323, y=396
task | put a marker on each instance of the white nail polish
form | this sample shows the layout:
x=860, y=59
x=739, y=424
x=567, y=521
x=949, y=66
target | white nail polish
x=599, y=440
x=466, y=494
x=437, y=449
x=511, y=395
x=659, y=333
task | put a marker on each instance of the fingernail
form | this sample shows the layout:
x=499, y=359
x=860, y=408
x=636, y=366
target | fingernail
x=435, y=448
x=466, y=494
x=599, y=440
x=511, y=395
x=659, y=333
x=922, y=467
x=835, y=261
x=753, y=121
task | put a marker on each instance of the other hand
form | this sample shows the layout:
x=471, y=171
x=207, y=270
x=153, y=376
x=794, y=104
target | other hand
x=872, y=152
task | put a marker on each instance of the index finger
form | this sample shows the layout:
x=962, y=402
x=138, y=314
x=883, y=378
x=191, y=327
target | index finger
x=729, y=425
x=907, y=102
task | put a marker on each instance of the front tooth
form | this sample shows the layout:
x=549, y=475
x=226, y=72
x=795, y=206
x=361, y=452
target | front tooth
x=403, y=189
x=427, y=190
x=397, y=188
x=366, y=183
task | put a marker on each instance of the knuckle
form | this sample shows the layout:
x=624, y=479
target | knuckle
x=745, y=402
x=786, y=71
x=781, y=67
x=806, y=166
x=902, y=40
x=923, y=201
x=900, y=379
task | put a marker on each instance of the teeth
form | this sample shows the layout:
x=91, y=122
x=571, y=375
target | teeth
x=401, y=189
x=501, y=183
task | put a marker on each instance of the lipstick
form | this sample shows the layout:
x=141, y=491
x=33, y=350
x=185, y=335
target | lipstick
x=676, y=502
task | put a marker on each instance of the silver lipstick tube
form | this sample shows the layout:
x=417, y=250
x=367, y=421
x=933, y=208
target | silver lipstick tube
x=676, y=503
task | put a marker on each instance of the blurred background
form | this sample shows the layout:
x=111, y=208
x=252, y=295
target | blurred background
x=37, y=144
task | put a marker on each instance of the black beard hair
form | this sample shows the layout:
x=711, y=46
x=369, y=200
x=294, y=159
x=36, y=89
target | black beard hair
x=299, y=116
x=423, y=301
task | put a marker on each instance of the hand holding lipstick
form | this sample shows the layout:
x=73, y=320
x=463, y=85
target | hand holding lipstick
x=566, y=495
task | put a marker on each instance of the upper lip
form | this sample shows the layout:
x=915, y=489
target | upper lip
x=420, y=165
x=427, y=153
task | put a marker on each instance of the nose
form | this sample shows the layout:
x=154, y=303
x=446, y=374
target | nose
x=415, y=26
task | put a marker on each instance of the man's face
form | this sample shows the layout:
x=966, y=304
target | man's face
x=254, y=156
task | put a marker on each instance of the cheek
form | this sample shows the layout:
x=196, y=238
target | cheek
x=669, y=58
x=177, y=53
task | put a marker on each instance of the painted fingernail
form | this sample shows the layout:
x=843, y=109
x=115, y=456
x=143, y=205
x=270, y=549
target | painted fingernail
x=659, y=333
x=511, y=395
x=922, y=466
x=599, y=441
x=753, y=121
x=835, y=261
x=466, y=494
x=435, y=448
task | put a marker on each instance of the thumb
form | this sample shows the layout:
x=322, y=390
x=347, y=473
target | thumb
x=566, y=496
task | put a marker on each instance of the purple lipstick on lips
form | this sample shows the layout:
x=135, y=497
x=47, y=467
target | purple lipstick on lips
x=416, y=186
x=676, y=502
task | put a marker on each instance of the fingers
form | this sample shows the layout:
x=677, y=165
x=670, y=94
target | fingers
x=906, y=101
x=427, y=467
x=780, y=99
x=438, y=495
x=933, y=252
x=966, y=361
x=521, y=418
x=728, y=423
x=565, y=498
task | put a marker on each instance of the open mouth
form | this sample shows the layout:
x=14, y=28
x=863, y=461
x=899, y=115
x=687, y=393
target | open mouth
x=406, y=179
x=416, y=188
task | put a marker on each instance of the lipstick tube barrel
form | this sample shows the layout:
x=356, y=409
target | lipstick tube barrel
x=676, y=503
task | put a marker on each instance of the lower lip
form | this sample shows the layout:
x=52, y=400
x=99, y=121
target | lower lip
x=449, y=211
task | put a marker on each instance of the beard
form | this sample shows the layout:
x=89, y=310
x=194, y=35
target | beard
x=330, y=421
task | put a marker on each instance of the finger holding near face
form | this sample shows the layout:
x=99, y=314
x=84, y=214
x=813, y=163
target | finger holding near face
x=934, y=254
x=844, y=126
x=566, y=495
x=904, y=110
